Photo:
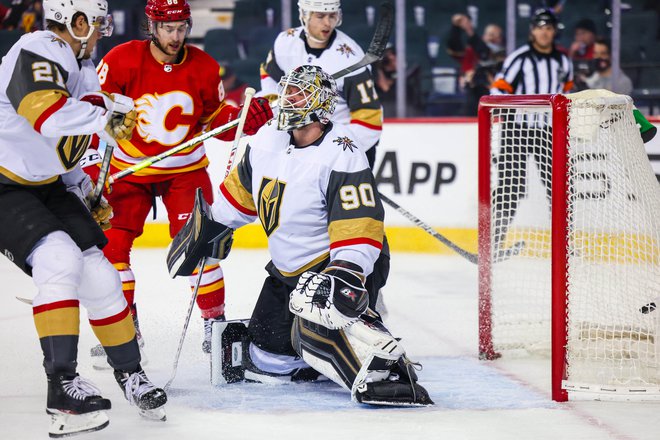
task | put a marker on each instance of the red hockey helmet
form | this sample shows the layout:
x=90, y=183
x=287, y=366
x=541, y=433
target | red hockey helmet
x=167, y=10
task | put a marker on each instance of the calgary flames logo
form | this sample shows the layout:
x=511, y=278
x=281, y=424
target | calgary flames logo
x=345, y=143
x=153, y=111
x=345, y=49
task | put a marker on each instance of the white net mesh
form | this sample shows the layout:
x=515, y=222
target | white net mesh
x=613, y=233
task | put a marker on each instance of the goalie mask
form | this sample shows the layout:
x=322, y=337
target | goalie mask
x=306, y=94
x=95, y=12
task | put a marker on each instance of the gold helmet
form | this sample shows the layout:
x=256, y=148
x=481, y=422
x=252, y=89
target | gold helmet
x=306, y=94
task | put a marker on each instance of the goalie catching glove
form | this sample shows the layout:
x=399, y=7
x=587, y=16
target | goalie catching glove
x=200, y=237
x=334, y=298
x=122, y=113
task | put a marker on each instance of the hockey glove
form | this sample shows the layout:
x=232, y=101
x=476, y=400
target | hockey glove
x=334, y=298
x=102, y=213
x=200, y=237
x=259, y=113
x=123, y=119
x=122, y=114
x=82, y=186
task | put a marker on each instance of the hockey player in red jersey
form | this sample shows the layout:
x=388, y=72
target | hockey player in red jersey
x=178, y=92
x=50, y=106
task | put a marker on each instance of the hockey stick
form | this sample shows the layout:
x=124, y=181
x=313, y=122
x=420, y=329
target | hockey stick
x=378, y=41
x=249, y=93
x=165, y=154
x=374, y=53
x=472, y=258
x=182, y=338
x=103, y=174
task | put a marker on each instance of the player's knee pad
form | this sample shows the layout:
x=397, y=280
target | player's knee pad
x=100, y=289
x=57, y=267
x=362, y=351
x=120, y=242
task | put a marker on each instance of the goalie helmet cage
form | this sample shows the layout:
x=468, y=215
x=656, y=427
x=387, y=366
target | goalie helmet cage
x=569, y=280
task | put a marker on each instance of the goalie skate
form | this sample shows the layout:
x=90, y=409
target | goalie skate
x=139, y=391
x=75, y=406
x=395, y=392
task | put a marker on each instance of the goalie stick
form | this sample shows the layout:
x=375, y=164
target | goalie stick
x=374, y=53
x=249, y=93
x=472, y=258
x=502, y=255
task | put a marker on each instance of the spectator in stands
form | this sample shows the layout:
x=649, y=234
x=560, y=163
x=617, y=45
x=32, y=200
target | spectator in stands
x=602, y=71
x=584, y=38
x=10, y=17
x=385, y=83
x=33, y=18
x=480, y=60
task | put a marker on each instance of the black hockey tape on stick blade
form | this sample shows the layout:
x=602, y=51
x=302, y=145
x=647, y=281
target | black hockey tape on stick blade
x=378, y=41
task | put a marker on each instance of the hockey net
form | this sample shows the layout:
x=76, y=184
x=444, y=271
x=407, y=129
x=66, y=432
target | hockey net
x=569, y=242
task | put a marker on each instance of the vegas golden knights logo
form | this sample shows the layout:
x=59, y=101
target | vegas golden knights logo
x=71, y=148
x=270, y=200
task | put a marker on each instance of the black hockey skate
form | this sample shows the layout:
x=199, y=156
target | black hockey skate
x=139, y=391
x=399, y=389
x=75, y=406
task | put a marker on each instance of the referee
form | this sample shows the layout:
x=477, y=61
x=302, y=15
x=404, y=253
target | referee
x=535, y=68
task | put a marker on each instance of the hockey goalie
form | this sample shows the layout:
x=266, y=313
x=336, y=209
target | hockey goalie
x=317, y=201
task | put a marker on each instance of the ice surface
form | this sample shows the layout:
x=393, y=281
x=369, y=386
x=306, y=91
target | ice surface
x=432, y=305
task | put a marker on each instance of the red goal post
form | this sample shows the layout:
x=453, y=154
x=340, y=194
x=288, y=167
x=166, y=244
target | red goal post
x=569, y=281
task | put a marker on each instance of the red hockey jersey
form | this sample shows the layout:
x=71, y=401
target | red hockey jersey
x=174, y=102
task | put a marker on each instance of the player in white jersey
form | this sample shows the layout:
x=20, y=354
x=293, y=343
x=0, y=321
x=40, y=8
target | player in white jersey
x=318, y=42
x=316, y=198
x=49, y=109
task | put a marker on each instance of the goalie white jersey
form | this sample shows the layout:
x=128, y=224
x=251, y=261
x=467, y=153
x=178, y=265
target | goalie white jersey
x=314, y=202
x=358, y=103
x=41, y=119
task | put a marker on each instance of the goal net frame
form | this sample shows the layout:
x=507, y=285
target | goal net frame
x=559, y=107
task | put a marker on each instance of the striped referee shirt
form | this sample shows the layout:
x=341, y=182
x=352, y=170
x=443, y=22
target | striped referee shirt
x=527, y=71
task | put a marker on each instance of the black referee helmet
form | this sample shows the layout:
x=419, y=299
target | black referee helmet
x=542, y=17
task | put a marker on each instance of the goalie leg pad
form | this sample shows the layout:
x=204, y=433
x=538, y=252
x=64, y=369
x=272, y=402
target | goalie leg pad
x=200, y=237
x=363, y=351
x=326, y=351
x=234, y=359
x=363, y=358
x=227, y=347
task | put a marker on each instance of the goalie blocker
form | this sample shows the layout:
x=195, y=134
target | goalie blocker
x=200, y=237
